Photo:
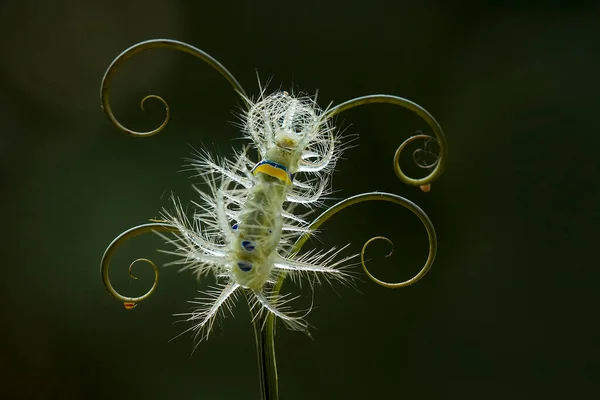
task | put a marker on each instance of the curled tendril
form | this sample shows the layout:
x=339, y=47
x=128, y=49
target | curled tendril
x=377, y=196
x=130, y=302
x=151, y=44
x=426, y=150
x=426, y=186
x=440, y=138
x=362, y=257
x=132, y=276
x=388, y=284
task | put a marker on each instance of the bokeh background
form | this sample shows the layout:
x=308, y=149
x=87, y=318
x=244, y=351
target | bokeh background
x=509, y=309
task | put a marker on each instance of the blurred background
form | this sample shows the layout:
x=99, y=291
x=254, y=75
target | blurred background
x=509, y=308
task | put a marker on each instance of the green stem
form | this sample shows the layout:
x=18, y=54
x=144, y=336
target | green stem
x=265, y=349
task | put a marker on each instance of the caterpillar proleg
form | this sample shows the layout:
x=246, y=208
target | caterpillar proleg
x=246, y=230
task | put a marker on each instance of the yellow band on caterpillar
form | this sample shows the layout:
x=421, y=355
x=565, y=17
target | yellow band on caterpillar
x=273, y=169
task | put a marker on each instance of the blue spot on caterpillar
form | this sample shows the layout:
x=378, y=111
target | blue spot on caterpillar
x=248, y=245
x=245, y=265
x=235, y=226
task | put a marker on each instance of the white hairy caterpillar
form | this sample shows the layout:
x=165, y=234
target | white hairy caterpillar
x=245, y=227
x=245, y=230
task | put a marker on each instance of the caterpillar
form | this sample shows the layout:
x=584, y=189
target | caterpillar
x=246, y=230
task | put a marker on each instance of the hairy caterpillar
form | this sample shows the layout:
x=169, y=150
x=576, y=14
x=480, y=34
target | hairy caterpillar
x=246, y=231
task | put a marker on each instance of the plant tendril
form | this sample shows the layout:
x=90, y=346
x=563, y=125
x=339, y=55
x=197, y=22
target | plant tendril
x=368, y=242
x=417, y=158
x=376, y=196
x=151, y=44
x=132, y=276
x=130, y=302
x=440, y=138
x=388, y=284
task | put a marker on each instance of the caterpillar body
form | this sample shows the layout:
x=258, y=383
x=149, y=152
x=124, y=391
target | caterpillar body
x=246, y=231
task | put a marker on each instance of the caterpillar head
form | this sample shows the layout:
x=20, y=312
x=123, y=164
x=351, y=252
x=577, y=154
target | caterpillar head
x=290, y=130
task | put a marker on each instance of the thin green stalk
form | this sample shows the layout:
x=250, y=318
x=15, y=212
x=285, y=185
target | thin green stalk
x=265, y=351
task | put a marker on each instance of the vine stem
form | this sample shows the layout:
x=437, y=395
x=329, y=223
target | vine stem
x=265, y=352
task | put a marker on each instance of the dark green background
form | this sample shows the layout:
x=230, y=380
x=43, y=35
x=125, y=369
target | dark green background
x=509, y=309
